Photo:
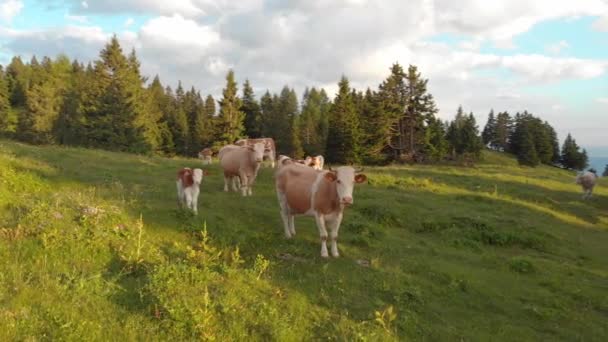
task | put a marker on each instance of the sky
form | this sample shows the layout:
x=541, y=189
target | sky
x=549, y=57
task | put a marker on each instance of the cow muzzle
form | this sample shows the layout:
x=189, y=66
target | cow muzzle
x=347, y=200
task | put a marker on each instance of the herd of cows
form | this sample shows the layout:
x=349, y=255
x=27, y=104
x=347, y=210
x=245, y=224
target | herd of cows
x=303, y=187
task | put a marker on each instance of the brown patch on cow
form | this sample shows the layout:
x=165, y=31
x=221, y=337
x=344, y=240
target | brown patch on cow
x=296, y=184
x=326, y=197
x=185, y=175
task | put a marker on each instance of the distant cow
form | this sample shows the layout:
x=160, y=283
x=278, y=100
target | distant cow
x=322, y=194
x=587, y=181
x=242, y=163
x=269, y=147
x=205, y=155
x=188, y=187
x=315, y=162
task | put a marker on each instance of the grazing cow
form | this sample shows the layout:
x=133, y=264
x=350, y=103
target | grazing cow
x=587, y=181
x=188, y=187
x=269, y=147
x=322, y=194
x=205, y=155
x=315, y=162
x=242, y=163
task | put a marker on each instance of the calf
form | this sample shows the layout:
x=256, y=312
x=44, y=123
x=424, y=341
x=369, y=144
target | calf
x=188, y=187
x=206, y=155
x=322, y=194
x=587, y=181
x=241, y=162
x=315, y=162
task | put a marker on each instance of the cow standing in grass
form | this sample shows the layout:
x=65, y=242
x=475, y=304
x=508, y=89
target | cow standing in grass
x=206, y=155
x=188, y=187
x=587, y=181
x=242, y=163
x=322, y=194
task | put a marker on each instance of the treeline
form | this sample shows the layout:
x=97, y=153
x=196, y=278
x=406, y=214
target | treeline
x=108, y=104
x=532, y=140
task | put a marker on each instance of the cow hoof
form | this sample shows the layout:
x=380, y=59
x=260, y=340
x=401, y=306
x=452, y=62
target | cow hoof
x=324, y=256
x=336, y=255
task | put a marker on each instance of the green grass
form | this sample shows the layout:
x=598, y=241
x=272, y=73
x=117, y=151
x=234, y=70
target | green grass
x=495, y=252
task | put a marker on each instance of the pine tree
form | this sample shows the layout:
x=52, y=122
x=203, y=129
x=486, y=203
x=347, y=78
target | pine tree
x=571, y=156
x=489, y=131
x=251, y=108
x=44, y=100
x=313, y=122
x=69, y=128
x=178, y=120
x=528, y=154
x=120, y=121
x=5, y=105
x=383, y=125
x=269, y=122
x=231, y=117
x=502, y=132
x=18, y=82
x=160, y=101
x=552, y=137
x=344, y=135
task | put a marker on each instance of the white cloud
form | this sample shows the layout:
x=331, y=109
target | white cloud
x=602, y=100
x=601, y=24
x=313, y=42
x=556, y=48
x=10, y=9
x=78, y=18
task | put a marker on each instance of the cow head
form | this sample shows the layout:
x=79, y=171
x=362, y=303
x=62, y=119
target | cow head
x=345, y=178
x=197, y=176
x=258, y=151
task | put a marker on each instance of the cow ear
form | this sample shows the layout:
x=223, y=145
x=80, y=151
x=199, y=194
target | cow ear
x=331, y=176
x=360, y=178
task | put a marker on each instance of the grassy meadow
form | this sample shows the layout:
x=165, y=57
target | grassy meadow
x=92, y=247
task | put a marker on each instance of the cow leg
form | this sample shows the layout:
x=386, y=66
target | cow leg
x=236, y=183
x=292, y=225
x=284, y=213
x=323, y=234
x=226, y=180
x=179, y=195
x=195, y=201
x=334, y=227
x=244, y=185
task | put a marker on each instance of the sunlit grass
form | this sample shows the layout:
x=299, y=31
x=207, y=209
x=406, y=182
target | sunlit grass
x=493, y=252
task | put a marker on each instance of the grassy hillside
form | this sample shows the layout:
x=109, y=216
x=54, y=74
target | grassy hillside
x=428, y=252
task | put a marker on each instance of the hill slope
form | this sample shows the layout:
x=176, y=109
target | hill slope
x=492, y=252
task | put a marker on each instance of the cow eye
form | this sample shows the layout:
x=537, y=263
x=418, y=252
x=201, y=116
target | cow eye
x=339, y=181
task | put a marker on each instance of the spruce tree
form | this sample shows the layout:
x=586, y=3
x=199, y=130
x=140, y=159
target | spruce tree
x=178, y=120
x=18, y=81
x=251, y=108
x=489, y=131
x=527, y=154
x=344, y=135
x=5, y=105
x=120, y=121
x=231, y=117
x=502, y=132
x=571, y=156
x=313, y=122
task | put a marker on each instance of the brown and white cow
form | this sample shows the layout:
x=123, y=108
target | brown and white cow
x=322, y=194
x=242, y=163
x=315, y=162
x=269, y=147
x=188, y=187
x=206, y=155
